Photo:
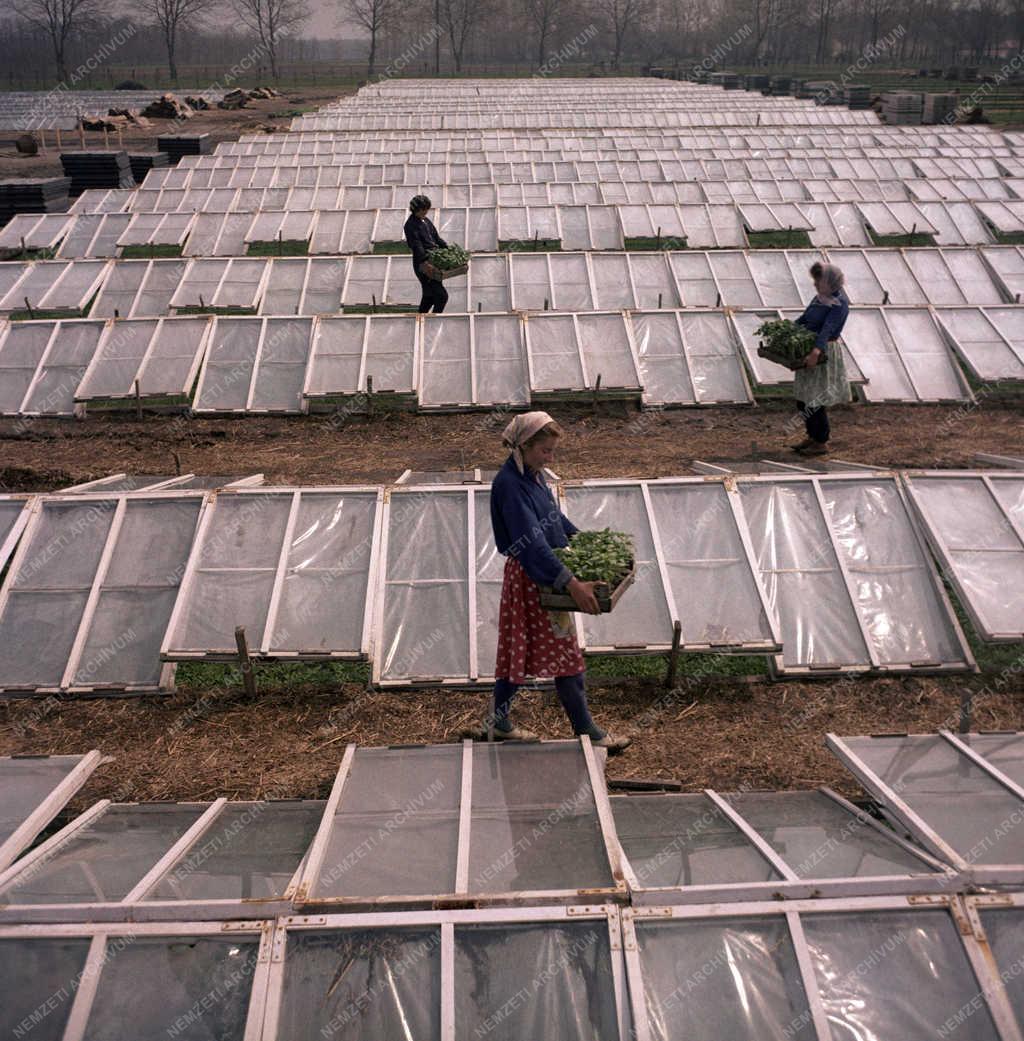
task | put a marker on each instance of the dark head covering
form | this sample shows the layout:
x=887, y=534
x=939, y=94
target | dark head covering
x=419, y=202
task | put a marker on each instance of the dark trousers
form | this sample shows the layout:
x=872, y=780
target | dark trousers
x=816, y=421
x=434, y=295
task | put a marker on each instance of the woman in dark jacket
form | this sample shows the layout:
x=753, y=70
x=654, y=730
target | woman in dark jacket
x=534, y=642
x=422, y=237
x=822, y=381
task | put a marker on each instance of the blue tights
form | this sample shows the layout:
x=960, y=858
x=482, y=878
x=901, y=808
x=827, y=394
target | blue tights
x=572, y=693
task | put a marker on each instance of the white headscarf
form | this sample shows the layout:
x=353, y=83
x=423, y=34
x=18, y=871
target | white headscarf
x=832, y=277
x=520, y=430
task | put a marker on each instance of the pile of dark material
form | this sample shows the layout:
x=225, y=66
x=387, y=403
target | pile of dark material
x=168, y=106
x=184, y=144
x=105, y=168
x=143, y=162
x=33, y=195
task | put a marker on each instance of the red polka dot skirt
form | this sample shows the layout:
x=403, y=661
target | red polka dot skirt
x=528, y=644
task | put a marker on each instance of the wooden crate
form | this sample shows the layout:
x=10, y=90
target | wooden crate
x=607, y=596
x=764, y=352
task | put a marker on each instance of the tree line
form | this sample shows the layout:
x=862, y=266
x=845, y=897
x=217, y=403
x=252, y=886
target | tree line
x=395, y=37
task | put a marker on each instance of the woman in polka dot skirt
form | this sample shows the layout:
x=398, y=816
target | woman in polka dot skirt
x=531, y=640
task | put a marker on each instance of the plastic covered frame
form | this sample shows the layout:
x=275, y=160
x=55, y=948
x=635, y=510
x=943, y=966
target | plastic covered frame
x=935, y=876
x=91, y=976
x=134, y=906
x=447, y=921
x=49, y=806
x=987, y=983
x=928, y=836
x=306, y=898
x=171, y=651
x=118, y=503
x=912, y=480
x=965, y=663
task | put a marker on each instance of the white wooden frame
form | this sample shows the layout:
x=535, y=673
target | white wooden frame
x=96, y=960
x=446, y=921
x=262, y=649
x=974, y=948
x=306, y=897
x=49, y=806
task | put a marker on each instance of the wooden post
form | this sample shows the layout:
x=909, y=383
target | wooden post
x=369, y=395
x=245, y=662
x=545, y=303
x=718, y=299
x=138, y=402
x=673, y=657
x=59, y=146
x=885, y=296
x=106, y=136
x=659, y=236
x=28, y=307
x=659, y=301
x=81, y=133
x=597, y=391
x=177, y=463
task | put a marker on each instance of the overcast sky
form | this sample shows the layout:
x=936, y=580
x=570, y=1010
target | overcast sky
x=329, y=19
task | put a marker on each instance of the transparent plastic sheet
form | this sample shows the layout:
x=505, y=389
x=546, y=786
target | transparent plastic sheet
x=1007, y=321
x=531, y=281
x=426, y=599
x=230, y=358
x=21, y=349
x=234, y=574
x=49, y=591
x=980, y=344
x=250, y=852
x=324, y=586
x=894, y=585
x=62, y=369
x=358, y=234
x=925, y=355
x=173, y=357
x=10, y=513
x=488, y=284
x=120, y=289
x=607, y=352
x=612, y=285
x=715, y=592
x=642, y=616
x=892, y=271
x=861, y=281
x=1008, y=264
x=366, y=279
x=323, y=286
x=801, y=576
x=337, y=356
x=685, y=840
x=118, y=356
x=354, y=984
x=869, y=341
x=180, y=972
x=774, y=278
x=390, y=353
x=32, y=971
x=284, y=286
x=735, y=280
x=986, y=554
x=1004, y=751
x=888, y=974
x=818, y=838
x=26, y=784
x=575, y=227
x=103, y=861
x=655, y=286
x=497, y=969
x=534, y=822
x=161, y=282
x=735, y=978
x=138, y=593
x=711, y=354
x=281, y=370
x=554, y=353
x=664, y=370
x=954, y=797
x=242, y=284
x=1004, y=929
x=490, y=571
x=501, y=371
x=199, y=283
x=571, y=282
x=694, y=279
x=396, y=829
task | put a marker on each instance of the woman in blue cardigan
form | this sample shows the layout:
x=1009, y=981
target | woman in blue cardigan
x=822, y=380
x=534, y=642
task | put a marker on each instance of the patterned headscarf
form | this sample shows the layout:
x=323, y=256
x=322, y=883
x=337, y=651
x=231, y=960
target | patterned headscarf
x=833, y=278
x=520, y=430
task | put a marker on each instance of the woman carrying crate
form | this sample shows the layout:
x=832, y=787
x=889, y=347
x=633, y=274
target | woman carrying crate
x=528, y=525
x=422, y=237
x=822, y=379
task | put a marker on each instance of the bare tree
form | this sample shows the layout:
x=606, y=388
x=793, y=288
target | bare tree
x=541, y=15
x=60, y=20
x=171, y=17
x=621, y=16
x=272, y=21
x=459, y=18
x=374, y=16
